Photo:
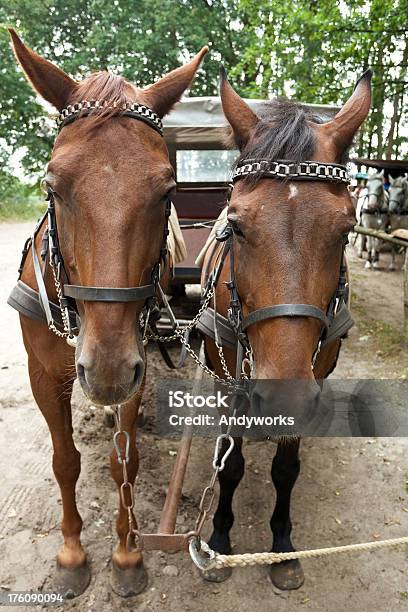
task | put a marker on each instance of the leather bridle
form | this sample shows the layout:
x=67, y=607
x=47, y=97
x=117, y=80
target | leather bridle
x=68, y=293
x=287, y=170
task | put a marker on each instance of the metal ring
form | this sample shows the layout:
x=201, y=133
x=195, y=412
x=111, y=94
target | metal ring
x=195, y=546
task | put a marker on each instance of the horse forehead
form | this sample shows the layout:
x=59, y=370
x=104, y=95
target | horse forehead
x=119, y=140
x=295, y=201
x=79, y=163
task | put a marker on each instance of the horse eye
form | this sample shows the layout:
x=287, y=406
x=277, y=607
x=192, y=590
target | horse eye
x=235, y=228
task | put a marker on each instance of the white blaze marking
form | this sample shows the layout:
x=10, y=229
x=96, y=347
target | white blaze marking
x=293, y=191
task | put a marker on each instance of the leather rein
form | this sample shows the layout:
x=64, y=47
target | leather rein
x=68, y=293
x=310, y=171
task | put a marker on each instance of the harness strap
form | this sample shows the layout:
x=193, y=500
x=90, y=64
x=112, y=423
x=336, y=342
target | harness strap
x=172, y=365
x=43, y=297
x=284, y=310
x=294, y=171
x=339, y=327
x=26, y=300
x=109, y=294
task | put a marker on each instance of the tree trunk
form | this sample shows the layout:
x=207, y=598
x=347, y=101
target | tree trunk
x=397, y=106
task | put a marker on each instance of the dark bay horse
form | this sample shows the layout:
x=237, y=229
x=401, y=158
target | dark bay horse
x=287, y=240
x=109, y=180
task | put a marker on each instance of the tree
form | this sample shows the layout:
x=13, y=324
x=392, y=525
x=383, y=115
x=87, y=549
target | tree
x=312, y=51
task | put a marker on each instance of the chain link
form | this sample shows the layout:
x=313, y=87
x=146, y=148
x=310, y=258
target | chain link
x=127, y=498
x=64, y=315
x=218, y=465
x=178, y=334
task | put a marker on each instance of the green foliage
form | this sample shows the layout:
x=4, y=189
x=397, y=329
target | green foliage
x=313, y=51
x=18, y=201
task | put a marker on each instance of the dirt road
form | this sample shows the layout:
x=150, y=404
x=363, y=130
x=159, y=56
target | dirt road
x=349, y=490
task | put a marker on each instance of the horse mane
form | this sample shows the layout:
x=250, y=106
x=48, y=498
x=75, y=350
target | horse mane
x=104, y=86
x=285, y=131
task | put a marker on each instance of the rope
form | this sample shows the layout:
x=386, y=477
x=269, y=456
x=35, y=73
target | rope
x=266, y=558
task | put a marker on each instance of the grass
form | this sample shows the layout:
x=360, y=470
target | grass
x=388, y=342
x=388, y=338
x=21, y=208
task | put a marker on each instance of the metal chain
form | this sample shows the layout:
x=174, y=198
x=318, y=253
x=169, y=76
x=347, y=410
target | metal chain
x=67, y=333
x=223, y=362
x=126, y=488
x=178, y=333
x=218, y=465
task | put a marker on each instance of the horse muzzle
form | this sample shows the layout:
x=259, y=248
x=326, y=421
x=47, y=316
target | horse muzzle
x=107, y=381
x=273, y=399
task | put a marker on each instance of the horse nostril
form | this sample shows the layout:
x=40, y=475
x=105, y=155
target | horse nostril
x=81, y=372
x=138, y=373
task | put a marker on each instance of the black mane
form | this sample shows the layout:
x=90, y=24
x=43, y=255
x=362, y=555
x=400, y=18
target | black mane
x=283, y=132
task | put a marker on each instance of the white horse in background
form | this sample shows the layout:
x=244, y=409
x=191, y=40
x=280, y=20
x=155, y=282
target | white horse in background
x=397, y=208
x=372, y=213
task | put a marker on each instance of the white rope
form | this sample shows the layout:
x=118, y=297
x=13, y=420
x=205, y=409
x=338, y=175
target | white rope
x=266, y=558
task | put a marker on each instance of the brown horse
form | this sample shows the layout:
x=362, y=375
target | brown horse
x=109, y=178
x=287, y=239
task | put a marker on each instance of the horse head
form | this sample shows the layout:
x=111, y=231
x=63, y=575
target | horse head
x=110, y=177
x=289, y=235
x=398, y=193
x=375, y=196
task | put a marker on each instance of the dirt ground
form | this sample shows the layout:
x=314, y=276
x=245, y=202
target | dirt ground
x=349, y=490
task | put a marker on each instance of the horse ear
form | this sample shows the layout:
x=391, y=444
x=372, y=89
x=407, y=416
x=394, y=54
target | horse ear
x=240, y=117
x=162, y=95
x=49, y=81
x=345, y=124
x=391, y=180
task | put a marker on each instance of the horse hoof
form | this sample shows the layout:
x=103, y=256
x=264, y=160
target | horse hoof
x=129, y=581
x=391, y=268
x=287, y=575
x=71, y=582
x=217, y=574
x=376, y=265
x=368, y=265
x=360, y=254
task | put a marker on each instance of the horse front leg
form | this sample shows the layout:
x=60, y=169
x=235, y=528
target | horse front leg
x=53, y=396
x=285, y=470
x=376, y=253
x=369, y=262
x=361, y=245
x=223, y=520
x=128, y=575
